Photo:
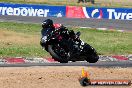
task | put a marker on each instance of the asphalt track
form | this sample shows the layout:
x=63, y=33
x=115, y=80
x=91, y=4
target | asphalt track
x=98, y=64
x=94, y=23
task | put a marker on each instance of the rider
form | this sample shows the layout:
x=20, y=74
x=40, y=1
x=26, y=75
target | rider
x=48, y=27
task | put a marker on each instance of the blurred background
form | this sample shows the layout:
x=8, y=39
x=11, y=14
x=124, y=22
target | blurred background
x=107, y=3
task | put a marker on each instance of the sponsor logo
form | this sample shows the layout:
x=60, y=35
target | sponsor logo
x=108, y=13
x=86, y=81
x=96, y=13
x=59, y=14
x=22, y=11
x=118, y=15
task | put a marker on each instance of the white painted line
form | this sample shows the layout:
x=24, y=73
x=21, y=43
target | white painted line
x=101, y=28
x=85, y=27
x=120, y=30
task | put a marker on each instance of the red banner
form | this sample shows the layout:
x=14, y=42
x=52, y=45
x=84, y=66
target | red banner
x=74, y=12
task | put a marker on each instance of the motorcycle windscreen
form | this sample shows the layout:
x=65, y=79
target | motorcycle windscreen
x=46, y=31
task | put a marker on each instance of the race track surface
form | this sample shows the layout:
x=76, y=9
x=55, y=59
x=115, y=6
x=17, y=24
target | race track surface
x=93, y=23
x=98, y=64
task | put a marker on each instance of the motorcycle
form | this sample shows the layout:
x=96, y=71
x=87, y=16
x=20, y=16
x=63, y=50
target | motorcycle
x=63, y=48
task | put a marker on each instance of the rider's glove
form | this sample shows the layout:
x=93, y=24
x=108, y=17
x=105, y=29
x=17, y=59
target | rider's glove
x=41, y=43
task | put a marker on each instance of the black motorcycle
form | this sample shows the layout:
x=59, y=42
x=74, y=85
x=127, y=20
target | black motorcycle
x=63, y=48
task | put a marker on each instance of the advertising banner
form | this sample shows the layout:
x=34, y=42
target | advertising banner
x=65, y=11
x=32, y=10
x=99, y=13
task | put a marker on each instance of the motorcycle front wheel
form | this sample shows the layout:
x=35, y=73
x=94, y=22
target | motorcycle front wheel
x=55, y=54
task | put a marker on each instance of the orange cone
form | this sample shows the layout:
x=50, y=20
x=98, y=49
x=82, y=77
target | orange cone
x=85, y=74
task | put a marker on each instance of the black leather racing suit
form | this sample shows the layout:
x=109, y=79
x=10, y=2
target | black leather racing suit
x=44, y=33
x=66, y=34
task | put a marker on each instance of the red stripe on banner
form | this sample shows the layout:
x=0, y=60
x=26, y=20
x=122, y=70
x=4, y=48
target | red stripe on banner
x=120, y=57
x=101, y=13
x=15, y=60
x=74, y=12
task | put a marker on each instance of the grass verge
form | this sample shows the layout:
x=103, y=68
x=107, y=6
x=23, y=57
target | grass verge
x=19, y=39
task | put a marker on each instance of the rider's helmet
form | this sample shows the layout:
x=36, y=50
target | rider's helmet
x=47, y=23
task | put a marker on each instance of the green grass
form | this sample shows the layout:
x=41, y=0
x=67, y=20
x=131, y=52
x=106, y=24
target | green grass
x=21, y=27
x=105, y=42
x=23, y=51
x=98, y=3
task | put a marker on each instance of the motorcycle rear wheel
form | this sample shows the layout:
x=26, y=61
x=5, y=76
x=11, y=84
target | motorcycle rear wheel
x=92, y=59
x=55, y=56
x=92, y=56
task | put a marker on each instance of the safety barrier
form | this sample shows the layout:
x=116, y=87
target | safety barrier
x=65, y=11
x=99, y=13
x=32, y=10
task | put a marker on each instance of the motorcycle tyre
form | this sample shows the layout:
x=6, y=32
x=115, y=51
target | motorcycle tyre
x=93, y=57
x=56, y=57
